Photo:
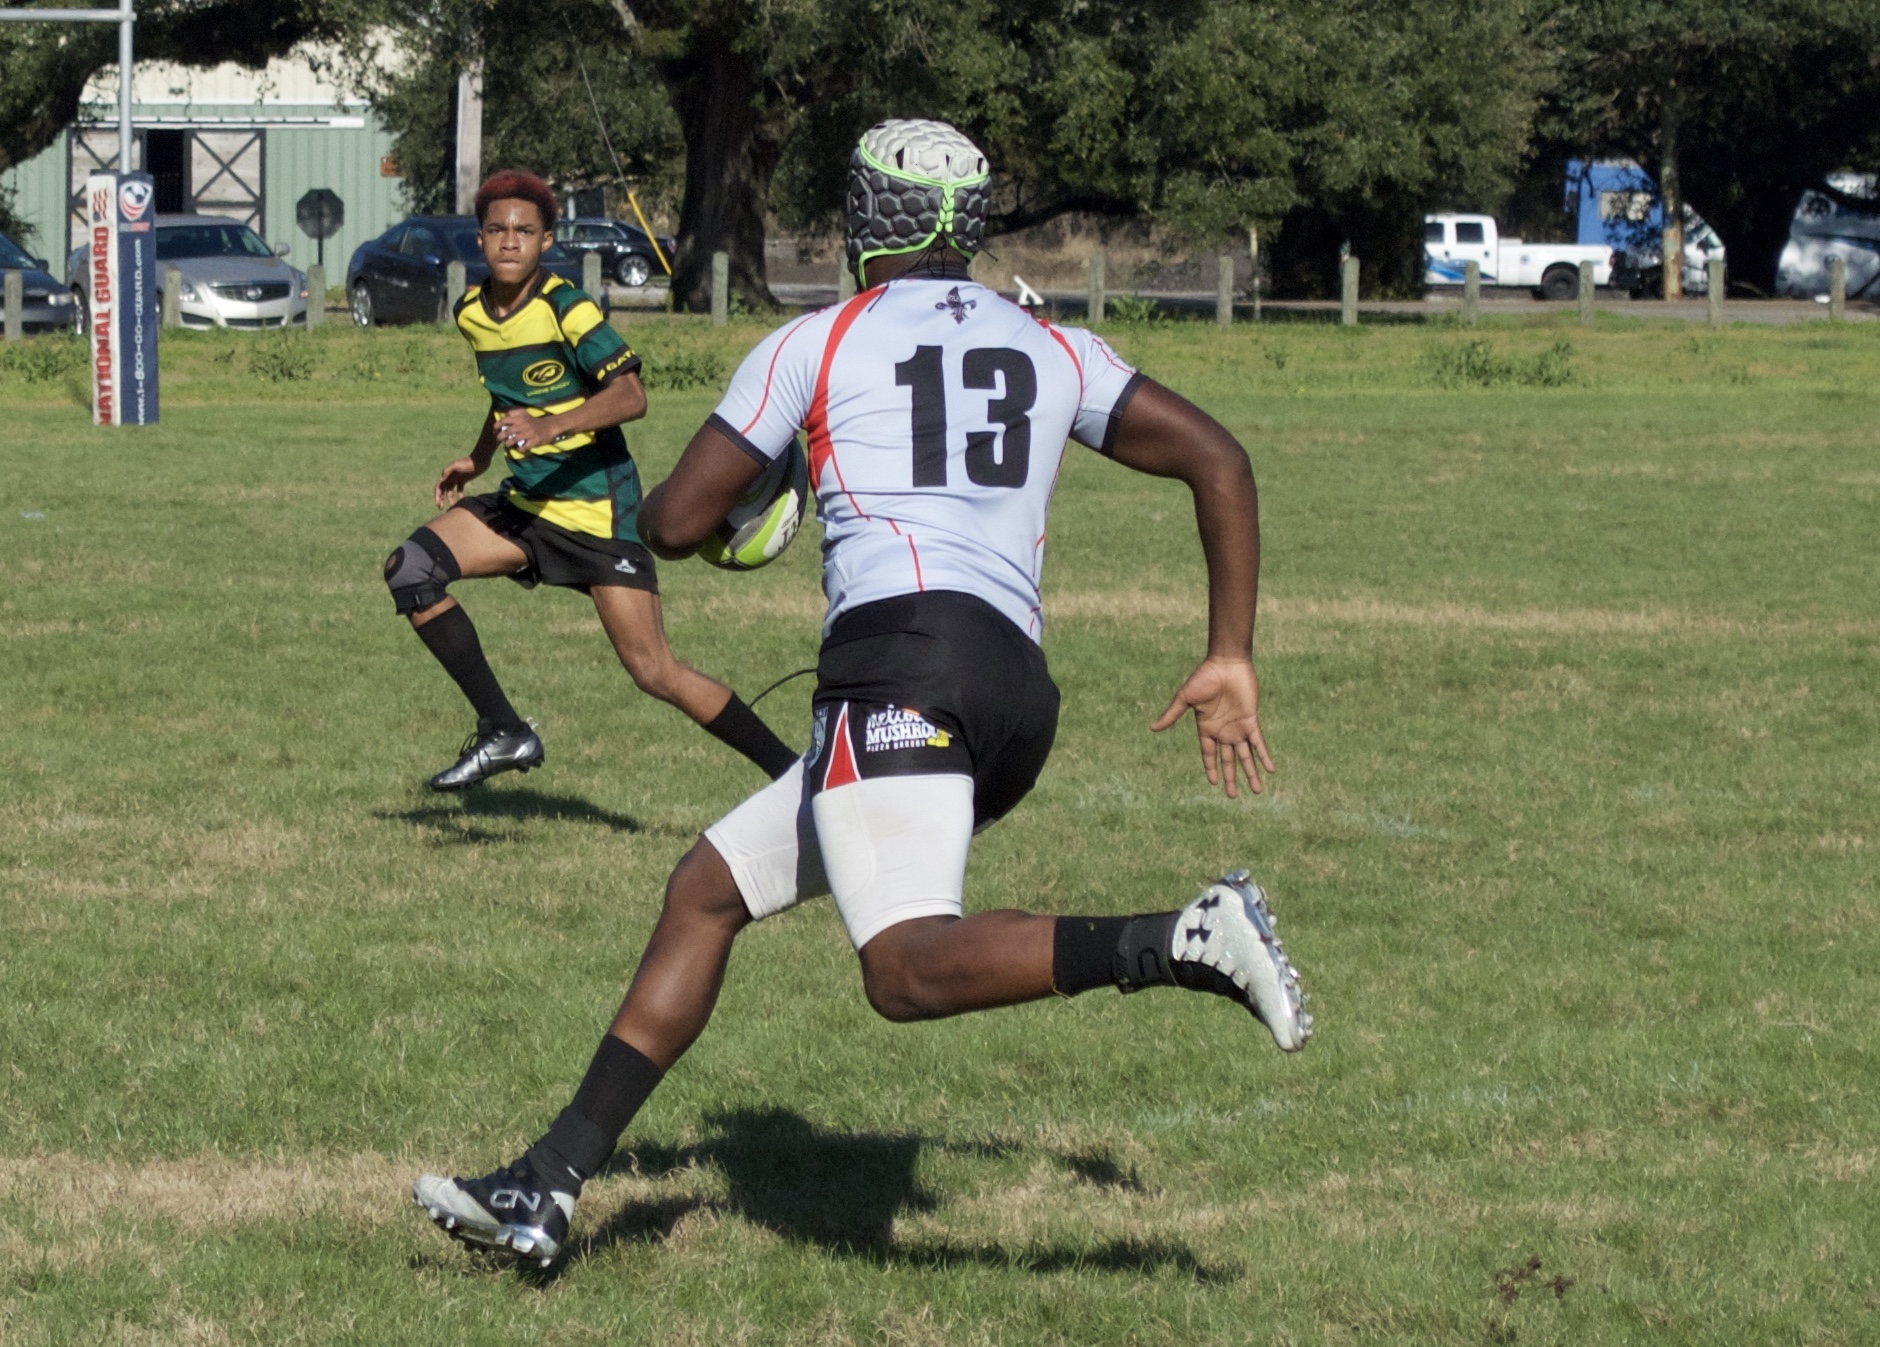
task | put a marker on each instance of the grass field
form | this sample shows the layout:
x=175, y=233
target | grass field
x=1569, y=663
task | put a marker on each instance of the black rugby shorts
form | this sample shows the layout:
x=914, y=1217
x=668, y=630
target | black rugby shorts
x=939, y=682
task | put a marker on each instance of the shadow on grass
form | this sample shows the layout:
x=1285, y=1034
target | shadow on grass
x=842, y=1193
x=457, y=821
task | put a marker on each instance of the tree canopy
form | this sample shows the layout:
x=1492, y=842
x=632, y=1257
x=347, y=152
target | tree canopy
x=1319, y=122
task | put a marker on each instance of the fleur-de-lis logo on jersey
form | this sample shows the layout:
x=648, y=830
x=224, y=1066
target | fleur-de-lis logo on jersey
x=957, y=306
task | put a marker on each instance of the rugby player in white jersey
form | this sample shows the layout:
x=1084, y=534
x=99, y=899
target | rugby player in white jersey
x=937, y=413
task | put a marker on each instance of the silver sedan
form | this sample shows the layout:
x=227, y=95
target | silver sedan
x=226, y=275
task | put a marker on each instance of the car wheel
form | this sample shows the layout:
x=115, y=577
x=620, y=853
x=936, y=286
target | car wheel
x=361, y=305
x=81, y=321
x=1560, y=283
x=633, y=270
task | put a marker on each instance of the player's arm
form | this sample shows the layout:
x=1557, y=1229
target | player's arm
x=620, y=400
x=681, y=512
x=1165, y=435
x=457, y=475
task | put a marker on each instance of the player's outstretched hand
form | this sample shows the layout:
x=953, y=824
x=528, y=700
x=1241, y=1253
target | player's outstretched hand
x=1225, y=697
x=453, y=479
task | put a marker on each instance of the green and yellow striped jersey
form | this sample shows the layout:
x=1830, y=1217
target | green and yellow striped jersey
x=553, y=352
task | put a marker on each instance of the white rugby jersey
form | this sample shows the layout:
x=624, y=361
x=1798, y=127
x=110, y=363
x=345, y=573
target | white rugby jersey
x=937, y=412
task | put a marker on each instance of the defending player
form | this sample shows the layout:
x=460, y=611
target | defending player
x=937, y=413
x=561, y=383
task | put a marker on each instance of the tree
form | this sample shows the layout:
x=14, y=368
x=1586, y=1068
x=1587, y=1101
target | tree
x=44, y=68
x=1334, y=119
x=1738, y=108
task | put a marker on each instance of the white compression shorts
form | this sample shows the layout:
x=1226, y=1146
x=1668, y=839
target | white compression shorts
x=890, y=849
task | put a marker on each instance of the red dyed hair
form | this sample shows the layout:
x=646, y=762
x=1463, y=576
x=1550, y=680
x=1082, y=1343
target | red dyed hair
x=514, y=184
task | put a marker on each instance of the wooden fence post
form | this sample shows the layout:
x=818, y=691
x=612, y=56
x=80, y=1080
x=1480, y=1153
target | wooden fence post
x=1097, y=296
x=172, y=301
x=13, y=297
x=1713, y=290
x=1471, y=293
x=721, y=289
x=1587, y=293
x=316, y=296
x=1348, y=307
x=1224, y=291
x=1837, y=289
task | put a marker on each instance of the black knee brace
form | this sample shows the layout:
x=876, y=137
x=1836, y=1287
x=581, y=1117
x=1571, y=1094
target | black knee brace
x=419, y=571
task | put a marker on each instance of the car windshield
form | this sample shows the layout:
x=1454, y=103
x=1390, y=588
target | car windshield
x=175, y=242
x=11, y=255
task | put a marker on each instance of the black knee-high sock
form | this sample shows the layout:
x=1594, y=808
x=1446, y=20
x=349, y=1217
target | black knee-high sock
x=1121, y=952
x=452, y=637
x=618, y=1081
x=737, y=726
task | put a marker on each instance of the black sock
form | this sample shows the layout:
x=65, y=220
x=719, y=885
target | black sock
x=1122, y=952
x=737, y=726
x=452, y=637
x=618, y=1081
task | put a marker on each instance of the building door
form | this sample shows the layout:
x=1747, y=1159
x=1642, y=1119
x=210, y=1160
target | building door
x=166, y=159
x=226, y=176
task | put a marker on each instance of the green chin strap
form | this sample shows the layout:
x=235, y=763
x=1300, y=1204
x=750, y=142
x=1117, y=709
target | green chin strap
x=943, y=227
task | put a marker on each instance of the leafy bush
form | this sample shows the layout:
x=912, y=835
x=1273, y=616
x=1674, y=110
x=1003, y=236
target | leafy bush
x=1476, y=363
x=1132, y=309
x=281, y=359
x=679, y=369
x=44, y=359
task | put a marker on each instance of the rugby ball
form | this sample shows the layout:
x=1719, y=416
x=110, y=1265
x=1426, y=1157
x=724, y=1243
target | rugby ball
x=766, y=518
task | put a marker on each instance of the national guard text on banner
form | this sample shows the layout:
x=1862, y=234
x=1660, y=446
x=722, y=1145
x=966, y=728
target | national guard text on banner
x=121, y=257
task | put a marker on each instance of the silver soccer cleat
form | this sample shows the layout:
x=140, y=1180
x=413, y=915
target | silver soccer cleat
x=1224, y=942
x=509, y=1210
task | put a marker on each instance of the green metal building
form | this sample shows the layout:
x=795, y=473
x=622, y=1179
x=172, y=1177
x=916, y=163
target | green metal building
x=222, y=141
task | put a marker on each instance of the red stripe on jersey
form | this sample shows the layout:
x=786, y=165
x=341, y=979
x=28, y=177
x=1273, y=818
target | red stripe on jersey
x=919, y=583
x=770, y=373
x=1076, y=364
x=821, y=448
x=841, y=770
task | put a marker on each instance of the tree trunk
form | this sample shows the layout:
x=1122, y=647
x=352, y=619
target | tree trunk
x=1671, y=196
x=730, y=155
x=1754, y=227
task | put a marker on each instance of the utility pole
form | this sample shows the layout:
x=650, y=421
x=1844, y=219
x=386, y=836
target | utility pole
x=469, y=136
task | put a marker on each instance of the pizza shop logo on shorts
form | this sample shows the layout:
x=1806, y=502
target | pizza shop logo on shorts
x=543, y=373
x=132, y=198
x=897, y=727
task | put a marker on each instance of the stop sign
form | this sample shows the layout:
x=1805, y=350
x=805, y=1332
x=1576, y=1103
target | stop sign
x=320, y=213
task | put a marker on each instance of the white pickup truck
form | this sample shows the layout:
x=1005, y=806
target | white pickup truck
x=1451, y=242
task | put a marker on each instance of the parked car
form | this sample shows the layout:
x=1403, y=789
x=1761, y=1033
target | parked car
x=227, y=277
x=627, y=253
x=403, y=276
x=1642, y=270
x=1844, y=224
x=1452, y=241
x=46, y=307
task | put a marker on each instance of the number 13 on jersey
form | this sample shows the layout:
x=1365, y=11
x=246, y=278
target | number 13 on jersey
x=1000, y=457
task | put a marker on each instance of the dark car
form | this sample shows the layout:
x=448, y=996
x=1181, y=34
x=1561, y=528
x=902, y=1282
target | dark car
x=402, y=276
x=627, y=254
x=46, y=307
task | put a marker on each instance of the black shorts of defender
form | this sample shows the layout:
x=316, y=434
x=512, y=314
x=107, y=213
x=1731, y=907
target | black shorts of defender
x=560, y=557
x=939, y=682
